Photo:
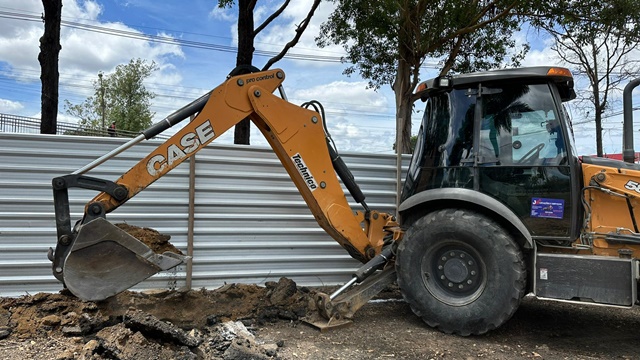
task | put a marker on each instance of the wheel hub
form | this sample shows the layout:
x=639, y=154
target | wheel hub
x=457, y=271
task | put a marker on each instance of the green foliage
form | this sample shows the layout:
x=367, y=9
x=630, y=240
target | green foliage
x=585, y=19
x=374, y=32
x=225, y=3
x=124, y=98
x=412, y=143
x=387, y=41
x=88, y=112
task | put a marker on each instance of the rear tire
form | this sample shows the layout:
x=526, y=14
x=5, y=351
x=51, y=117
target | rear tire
x=460, y=272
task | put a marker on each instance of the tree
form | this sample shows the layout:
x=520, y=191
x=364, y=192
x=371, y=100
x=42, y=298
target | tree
x=120, y=97
x=387, y=41
x=412, y=143
x=595, y=39
x=247, y=33
x=48, y=59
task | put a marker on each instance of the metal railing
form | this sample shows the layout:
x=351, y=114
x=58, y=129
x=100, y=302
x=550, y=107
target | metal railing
x=29, y=125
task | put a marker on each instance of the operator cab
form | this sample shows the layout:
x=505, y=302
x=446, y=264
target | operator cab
x=506, y=134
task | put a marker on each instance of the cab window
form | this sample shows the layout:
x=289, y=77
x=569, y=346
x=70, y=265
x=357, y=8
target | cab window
x=520, y=126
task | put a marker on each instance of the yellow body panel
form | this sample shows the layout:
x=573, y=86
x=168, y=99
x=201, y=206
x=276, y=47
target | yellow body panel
x=614, y=202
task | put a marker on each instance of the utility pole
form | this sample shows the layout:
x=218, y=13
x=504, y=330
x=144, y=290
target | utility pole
x=102, y=131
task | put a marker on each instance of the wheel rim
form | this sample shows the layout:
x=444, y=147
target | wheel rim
x=454, y=273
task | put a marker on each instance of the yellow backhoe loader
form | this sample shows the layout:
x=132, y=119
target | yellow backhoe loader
x=496, y=203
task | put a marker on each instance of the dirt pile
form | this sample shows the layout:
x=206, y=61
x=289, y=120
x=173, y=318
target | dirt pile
x=158, y=242
x=196, y=324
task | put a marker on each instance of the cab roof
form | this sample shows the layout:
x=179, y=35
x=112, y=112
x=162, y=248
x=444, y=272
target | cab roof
x=561, y=76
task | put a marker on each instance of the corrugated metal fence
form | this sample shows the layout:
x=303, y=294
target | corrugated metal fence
x=251, y=224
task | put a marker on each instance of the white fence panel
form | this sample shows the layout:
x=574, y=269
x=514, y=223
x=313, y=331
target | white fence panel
x=251, y=224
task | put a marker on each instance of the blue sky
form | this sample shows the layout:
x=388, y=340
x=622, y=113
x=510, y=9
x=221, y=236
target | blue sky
x=359, y=119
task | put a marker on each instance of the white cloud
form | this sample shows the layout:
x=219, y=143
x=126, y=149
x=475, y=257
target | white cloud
x=261, y=13
x=10, y=107
x=86, y=10
x=84, y=53
x=359, y=119
x=544, y=57
x=353, y=136
x=223, y=14
x=354, y=96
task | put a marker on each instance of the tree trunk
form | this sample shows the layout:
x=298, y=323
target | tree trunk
x=48, y=58
x=402, y=91
x=598, y=119
x=599, y=109
x=242, y=131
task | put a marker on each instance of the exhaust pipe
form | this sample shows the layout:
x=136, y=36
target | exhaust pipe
x=628, y=153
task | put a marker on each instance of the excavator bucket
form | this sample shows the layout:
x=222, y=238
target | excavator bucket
x=104, y=260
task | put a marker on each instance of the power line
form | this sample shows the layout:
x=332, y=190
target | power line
x=162, y=39
x=177, y=42
x=617, y=113
x=166, y=39
x=138, y=26
x=160, y=91
x=174, y=41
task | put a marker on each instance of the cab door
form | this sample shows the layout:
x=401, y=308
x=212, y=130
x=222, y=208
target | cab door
x=523, y=159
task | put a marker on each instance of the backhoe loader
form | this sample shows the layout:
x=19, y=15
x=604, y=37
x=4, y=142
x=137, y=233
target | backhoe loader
x=496, y=203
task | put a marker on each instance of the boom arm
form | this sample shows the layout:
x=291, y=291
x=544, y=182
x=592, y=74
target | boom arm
x=297, y=137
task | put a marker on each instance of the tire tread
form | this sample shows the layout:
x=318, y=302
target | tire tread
x=500, y=236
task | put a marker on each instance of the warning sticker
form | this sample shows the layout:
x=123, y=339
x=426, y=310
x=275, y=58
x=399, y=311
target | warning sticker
x=547, y=208
x=544, y=274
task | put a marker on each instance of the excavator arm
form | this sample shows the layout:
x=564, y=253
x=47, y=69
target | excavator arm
x=97, y=260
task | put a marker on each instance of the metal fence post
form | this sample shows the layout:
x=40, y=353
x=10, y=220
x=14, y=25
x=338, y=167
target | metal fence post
x=191, y=218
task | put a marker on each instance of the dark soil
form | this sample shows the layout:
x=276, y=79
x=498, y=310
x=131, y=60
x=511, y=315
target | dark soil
x=240, y=322
x=46, y=314
x=170, y=324
x=196, y=325
x=158, y=242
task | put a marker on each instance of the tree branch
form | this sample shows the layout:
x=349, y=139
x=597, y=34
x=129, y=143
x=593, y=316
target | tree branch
x=303, y=25
x=473, y=28
x=452, y=56
x=270, y=18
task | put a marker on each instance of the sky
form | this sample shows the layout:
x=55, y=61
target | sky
x=197, y=50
